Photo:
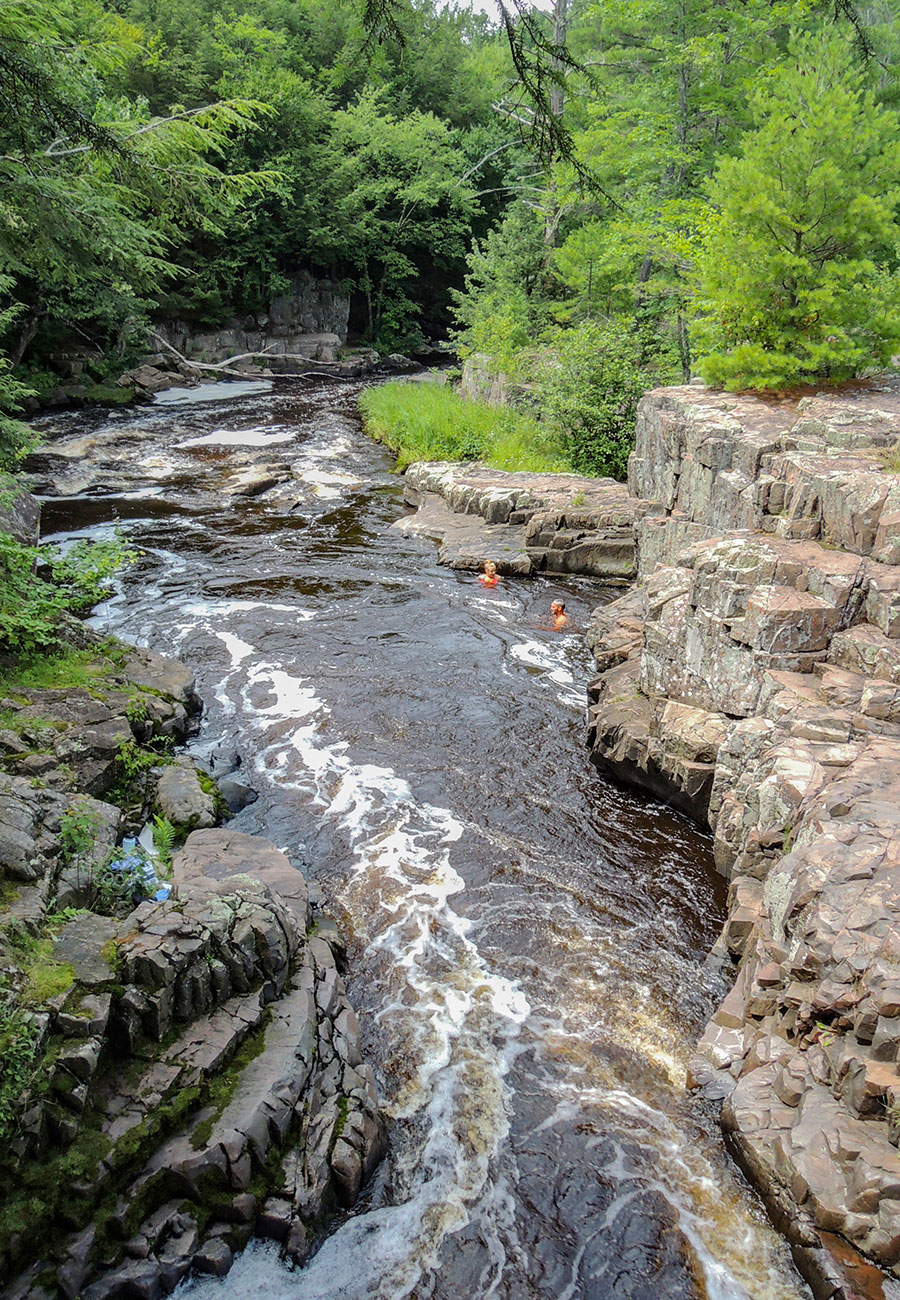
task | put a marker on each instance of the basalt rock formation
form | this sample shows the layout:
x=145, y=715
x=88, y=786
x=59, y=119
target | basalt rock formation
x=526, y=523
x=208, y=1078
x=179, y=1064
x=752, y=676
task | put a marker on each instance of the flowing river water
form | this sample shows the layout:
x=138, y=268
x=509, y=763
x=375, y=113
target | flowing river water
x=526, y=940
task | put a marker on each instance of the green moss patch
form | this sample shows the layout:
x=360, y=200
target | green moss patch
x=222, y=1088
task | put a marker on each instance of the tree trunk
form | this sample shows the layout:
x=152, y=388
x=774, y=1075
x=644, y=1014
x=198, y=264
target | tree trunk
x=640, y=298
x=26, y=335
x=366, y=287
x=684, y=347
x=684, y=106
x=557, y=102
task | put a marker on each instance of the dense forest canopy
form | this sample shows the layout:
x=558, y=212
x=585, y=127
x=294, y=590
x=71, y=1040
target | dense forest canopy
x=673, y=184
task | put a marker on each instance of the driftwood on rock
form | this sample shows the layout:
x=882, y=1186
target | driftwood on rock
x=227, y=367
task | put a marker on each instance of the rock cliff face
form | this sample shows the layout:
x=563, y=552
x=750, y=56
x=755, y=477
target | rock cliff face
x=310, y=320
x=179, y=1065
x=753, y=678
x=481, y=383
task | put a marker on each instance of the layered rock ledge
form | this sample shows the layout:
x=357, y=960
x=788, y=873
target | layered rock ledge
x=179, y=1064
x=752, y=676
x=207, y=1079
x=526, y=523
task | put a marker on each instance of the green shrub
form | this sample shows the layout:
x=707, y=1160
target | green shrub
x=504, y=305
x=32, y=606
x=83, y=571
x=164, y=841
x=796, y=274
x=587, y=387
x=79, y=827
x=18, y=1049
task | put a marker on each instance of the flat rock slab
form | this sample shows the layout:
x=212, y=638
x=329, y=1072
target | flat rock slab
x=169, y=676
x=212, y=858
x=525, y=523
x=495, y=494
x=466, y=541
x=80, y=944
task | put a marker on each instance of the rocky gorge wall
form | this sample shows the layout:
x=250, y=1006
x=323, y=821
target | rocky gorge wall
x=752, y=676
x=179, y=1064
x=310, y=320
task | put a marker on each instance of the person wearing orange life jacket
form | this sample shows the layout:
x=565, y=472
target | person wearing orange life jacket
x=490, y=577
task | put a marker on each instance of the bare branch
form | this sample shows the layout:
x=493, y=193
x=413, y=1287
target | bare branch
x=226, y=367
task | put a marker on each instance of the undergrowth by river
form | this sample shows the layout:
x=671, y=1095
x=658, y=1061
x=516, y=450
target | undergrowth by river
x=429, y=421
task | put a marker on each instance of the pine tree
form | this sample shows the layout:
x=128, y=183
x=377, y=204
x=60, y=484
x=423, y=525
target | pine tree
x=796, y=277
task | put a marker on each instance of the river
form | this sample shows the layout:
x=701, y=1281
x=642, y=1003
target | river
x=526, y=940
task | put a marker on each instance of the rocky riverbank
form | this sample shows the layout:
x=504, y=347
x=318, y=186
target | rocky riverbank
x=526, y=523
x=181, y=1067
x=752, y=677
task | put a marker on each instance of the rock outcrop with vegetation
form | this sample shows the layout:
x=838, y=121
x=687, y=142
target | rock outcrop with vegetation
x=180, y=1065
x=526, y=523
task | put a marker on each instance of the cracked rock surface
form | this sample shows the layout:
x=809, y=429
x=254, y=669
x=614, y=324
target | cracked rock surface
x=752, y=676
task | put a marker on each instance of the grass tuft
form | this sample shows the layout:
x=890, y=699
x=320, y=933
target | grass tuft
x=431, y=422
x=70, y=668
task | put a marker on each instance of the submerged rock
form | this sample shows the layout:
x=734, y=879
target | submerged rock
x=182, y=799
x=236, y=793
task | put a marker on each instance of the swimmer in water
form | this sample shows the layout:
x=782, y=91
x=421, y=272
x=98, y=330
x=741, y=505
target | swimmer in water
x=560, y=617
x=490, y=577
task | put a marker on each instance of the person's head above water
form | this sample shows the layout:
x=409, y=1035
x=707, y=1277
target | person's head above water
x=557, y=607
x=560, y=618
x=489, y=577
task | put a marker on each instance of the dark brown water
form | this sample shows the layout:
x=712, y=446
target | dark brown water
x=526, y=939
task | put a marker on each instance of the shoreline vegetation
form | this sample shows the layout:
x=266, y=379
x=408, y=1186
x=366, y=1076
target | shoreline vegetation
x=430, y=421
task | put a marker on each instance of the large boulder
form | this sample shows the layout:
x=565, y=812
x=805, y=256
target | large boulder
x=182, y=798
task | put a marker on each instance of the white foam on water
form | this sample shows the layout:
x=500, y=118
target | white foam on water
x=338, y=447
x=293, y=699
x=238, y=650
x=258, y=437
x=739, y=1258
x=449, y=1028
x=326, y=485
x=549, y=659
x=216, y=392
x=449, y=1024
x=224, y=608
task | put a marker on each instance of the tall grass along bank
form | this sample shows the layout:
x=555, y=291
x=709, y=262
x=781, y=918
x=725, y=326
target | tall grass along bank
x=425, y=421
